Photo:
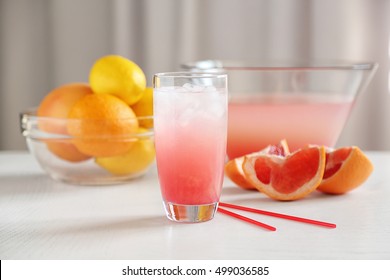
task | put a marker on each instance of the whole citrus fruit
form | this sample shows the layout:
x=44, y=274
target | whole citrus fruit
x=102, y=125
x=56, y=105
x=135, y=161
x=118, y=76
x=144, y=108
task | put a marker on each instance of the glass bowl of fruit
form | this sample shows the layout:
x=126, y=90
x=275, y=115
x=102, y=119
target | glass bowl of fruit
x=83, y=137
x=90, y=151
x=95, y=133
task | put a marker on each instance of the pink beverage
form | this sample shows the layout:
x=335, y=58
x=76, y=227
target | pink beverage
x=301, y=120
x=191, y=147
x=304, y=102
x=190, y=125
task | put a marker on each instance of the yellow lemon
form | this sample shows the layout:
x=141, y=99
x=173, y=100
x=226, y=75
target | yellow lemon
x=119, y=76
x=144, y=108
x=135, y=161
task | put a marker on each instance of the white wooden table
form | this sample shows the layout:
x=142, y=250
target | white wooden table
x=44, y=219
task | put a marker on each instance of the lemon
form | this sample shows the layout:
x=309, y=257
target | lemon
x=119, y=76
x=144, y=108
x=135, y=161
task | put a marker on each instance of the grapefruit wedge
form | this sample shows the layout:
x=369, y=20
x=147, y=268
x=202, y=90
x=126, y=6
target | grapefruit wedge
x=233, y=168
x=289, y=177
x=346, y=169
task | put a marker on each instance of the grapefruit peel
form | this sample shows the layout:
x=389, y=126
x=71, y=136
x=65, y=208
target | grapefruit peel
x=346, y=169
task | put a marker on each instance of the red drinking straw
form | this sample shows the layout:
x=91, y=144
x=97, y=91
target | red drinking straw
x=246, y=219
x=278, y=215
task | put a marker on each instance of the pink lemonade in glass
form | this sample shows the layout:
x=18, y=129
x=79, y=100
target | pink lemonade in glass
x=190, y=134
x=300, y=119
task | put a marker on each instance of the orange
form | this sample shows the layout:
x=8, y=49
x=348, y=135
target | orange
x=346, y=169
x=56, y=105
x=65, y=150
x=118, y=76
x=58, y=102
x=102, y=125
x=233, y=168
x=288, y=177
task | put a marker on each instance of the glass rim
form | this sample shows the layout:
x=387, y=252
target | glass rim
x=227, y=65
x=190, y=74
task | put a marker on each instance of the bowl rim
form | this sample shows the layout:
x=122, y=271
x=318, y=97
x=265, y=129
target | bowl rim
x=29, y=127
x=32, y=113
x=215, y=65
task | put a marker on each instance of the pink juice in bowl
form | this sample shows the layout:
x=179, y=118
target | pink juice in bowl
x=300, y=119
x=302, y=102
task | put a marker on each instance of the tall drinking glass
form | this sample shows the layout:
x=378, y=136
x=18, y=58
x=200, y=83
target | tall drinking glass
x=190, y=124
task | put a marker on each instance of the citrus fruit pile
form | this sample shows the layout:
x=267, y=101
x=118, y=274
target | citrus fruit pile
x=106, y=119
x=282, y=175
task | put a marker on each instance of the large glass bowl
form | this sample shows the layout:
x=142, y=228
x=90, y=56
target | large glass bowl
x=57, y=153
x=302, y=103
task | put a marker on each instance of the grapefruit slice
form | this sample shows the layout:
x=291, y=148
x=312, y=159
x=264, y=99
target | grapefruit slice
x=233, y=168
x=289, y=177
x=346, y=168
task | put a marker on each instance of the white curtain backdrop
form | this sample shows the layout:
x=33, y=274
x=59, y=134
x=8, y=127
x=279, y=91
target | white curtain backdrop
x=45, y=43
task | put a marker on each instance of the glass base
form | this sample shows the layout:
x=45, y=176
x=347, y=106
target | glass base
x=190, y=213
